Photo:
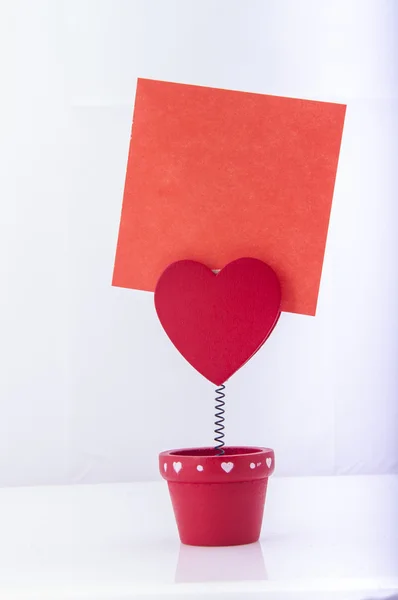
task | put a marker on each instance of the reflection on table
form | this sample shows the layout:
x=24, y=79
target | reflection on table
x=232, y=563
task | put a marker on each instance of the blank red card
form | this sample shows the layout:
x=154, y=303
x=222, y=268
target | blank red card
x=214, y=175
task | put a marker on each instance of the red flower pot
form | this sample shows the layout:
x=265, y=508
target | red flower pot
x=218, y=500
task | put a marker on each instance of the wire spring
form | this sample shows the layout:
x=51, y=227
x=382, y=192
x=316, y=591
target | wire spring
x=219, y=422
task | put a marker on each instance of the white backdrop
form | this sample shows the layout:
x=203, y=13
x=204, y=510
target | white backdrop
x=90, y=388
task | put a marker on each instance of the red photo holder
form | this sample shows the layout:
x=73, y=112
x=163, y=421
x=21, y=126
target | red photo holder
x=214, y=174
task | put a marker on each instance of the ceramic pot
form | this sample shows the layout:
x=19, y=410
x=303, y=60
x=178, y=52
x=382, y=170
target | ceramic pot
x=218, y=500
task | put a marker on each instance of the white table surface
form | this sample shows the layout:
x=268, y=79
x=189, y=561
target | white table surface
x=323, y=538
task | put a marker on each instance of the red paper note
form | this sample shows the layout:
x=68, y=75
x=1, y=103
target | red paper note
x=214, y=175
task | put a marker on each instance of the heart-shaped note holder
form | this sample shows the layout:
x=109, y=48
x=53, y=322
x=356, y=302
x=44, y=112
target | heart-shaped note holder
x=222, y=169
x=218, y=322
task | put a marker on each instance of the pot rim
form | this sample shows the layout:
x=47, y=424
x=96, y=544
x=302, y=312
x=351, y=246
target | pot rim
x=211, y=452
x=203, y=465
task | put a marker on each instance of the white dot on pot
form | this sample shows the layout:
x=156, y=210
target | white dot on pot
x=165, y=467
x=252, y=465
x=199, y=468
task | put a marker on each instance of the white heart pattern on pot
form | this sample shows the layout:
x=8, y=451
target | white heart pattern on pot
x=177, y=466
x=268, y=462
x=227, y=467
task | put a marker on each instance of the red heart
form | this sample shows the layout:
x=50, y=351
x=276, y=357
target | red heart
x=217, y=322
